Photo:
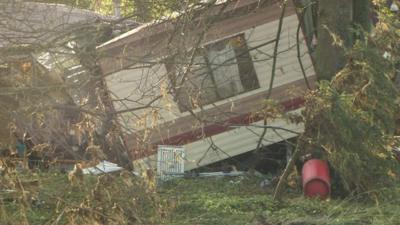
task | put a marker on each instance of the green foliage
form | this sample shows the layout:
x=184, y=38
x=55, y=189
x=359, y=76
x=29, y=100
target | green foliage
x=125, y=200
x=215, y=201
x=353, y=117
x=108, y=199
x=361, y=13
x=228, y=201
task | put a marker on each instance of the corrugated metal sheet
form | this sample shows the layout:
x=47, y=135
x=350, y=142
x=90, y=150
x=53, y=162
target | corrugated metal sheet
x=231, y=143
x=235, y=142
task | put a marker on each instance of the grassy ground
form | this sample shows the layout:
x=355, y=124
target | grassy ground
x=112, y=199
x=242, y=201
x=237, y=200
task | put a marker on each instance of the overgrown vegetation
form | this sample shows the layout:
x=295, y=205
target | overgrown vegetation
x=121, y=199
x=49, y=198
x=242, y=201
x=351, y=119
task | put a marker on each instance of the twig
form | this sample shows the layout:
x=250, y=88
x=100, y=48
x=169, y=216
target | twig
x=95, y=211
x=298, y=50
x=266, y=126
x=278, y=36
x=59, y=217
x=285, y=174
x=140, y=107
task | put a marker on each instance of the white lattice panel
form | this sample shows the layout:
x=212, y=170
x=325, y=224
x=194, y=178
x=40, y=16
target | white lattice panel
x=170, y=161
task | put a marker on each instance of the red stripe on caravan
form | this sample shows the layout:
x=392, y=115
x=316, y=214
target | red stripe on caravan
x=216, y=128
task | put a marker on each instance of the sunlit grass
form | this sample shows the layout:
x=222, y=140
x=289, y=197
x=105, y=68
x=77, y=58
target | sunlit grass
x=237, y=200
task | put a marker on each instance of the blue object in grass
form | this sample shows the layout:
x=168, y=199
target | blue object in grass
x=21, y=147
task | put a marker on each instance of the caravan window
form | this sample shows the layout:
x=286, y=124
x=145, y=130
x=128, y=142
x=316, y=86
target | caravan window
x=218, y=71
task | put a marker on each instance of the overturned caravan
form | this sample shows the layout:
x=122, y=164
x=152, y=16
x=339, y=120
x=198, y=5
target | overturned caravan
x=200, y=80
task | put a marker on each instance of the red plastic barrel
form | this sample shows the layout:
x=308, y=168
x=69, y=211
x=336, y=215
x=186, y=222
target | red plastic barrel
x=316, y=179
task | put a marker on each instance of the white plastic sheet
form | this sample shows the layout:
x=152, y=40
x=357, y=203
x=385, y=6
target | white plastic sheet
x=102, y=167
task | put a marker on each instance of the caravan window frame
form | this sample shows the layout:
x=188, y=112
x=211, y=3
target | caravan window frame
x=241, y=78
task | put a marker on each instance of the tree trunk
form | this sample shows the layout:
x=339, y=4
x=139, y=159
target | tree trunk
x=361, y=14
x=143, y=12
x=334, y=19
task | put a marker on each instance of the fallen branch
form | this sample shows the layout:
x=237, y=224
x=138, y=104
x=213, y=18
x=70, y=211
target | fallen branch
x=266, y=126
x=57, y=221
x=285, y=174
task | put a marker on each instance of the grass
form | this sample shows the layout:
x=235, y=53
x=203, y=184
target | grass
x=233, y=201
x=215, y=201
x=114, y=199
x=227, y=201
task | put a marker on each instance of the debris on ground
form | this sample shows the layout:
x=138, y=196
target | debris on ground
x=102, y=168
x=206, y=174
x=265, y=183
